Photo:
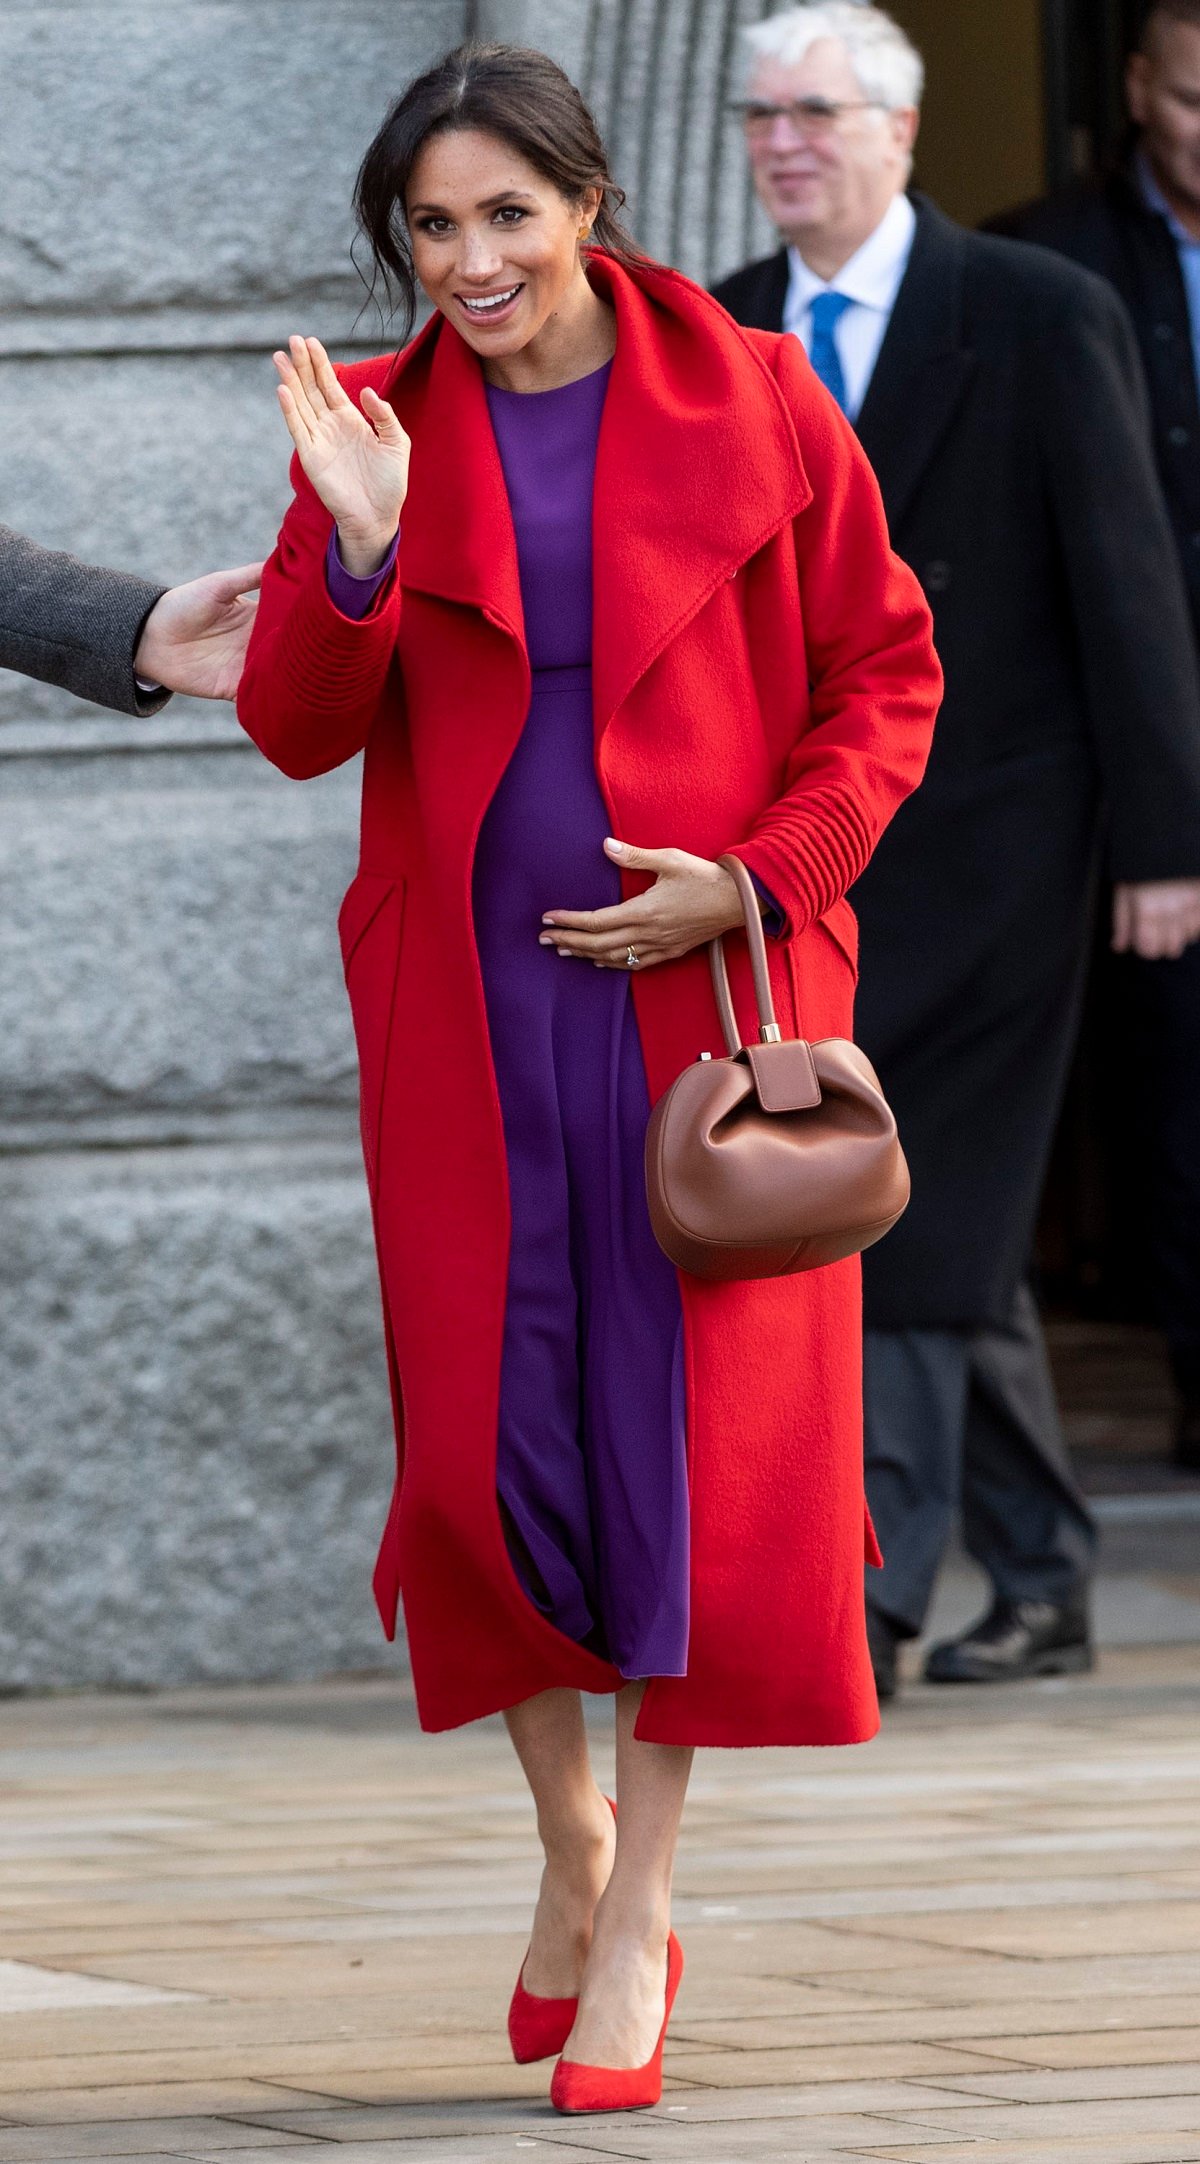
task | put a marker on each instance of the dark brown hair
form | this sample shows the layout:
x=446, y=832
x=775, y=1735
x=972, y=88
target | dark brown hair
x=509, y=91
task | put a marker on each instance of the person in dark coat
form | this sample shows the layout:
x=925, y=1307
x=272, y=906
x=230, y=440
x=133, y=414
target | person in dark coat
x=118, y=640
x=998, y=394
x=1138, y=227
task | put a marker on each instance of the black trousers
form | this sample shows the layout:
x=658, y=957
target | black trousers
x=966, y=1421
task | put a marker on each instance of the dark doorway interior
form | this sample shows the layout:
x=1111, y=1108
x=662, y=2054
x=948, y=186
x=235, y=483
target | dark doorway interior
x=1085, y=45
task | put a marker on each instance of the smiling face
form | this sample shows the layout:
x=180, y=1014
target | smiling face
x=1164, y=98
x=494, y=243
x=827, y=187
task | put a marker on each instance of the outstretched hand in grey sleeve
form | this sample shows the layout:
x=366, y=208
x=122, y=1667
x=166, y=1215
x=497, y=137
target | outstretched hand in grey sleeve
x=195, y=636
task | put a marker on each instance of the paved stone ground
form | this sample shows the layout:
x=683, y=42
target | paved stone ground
x=273, y=1918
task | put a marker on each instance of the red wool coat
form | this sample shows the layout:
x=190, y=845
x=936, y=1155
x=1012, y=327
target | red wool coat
x=764, y=680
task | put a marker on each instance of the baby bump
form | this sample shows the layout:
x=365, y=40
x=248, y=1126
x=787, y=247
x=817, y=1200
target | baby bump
x=542, y=841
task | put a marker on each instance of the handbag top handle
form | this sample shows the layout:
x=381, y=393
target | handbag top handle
x=769, y=1031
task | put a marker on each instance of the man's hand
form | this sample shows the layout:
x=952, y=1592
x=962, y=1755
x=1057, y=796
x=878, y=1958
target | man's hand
x=1156, y=919
x=195, y=636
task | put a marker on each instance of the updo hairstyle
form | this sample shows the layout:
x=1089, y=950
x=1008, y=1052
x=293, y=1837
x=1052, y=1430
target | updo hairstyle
x=509, y=91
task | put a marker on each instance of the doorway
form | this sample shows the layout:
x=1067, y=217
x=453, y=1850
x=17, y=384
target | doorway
x=1021, y=98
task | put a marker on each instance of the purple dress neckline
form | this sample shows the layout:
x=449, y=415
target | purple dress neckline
x=555, y=390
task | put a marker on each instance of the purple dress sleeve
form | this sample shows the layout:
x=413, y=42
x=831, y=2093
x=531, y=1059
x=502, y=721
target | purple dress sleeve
x=774, y=923
x=351, y=596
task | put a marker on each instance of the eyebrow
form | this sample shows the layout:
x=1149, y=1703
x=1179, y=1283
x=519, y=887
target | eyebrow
x=490, y=202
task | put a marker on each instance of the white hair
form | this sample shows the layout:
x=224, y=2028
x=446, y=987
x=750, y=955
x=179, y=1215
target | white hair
x=885, y=60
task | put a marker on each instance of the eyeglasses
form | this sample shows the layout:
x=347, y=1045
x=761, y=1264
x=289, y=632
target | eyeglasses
x=815, y=117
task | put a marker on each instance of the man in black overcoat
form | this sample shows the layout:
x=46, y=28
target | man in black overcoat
x=1139, y=228
x=997, y=392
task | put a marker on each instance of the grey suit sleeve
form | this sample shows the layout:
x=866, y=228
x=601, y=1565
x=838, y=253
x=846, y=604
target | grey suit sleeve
x=70, y=624
x=1126, y=589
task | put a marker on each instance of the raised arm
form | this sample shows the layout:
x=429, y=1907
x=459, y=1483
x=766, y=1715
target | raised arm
x=314, y=675
x=875, y=680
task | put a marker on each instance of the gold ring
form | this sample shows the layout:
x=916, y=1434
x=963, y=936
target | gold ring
x=631, y=960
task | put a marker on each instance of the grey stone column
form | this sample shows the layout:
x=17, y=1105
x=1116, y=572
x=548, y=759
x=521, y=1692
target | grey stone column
x=195, y=1446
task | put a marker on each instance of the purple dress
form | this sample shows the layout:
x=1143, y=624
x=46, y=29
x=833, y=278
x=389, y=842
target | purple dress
x=591, y=1461
x=591, y=1464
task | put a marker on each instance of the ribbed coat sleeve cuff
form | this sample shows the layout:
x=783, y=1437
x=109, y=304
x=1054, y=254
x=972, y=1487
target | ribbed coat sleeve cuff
x=332, y=656
x=313, y=680
x=807, y=852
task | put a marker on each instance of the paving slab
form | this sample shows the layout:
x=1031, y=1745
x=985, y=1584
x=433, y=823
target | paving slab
x=856, y=2063
x=864, y=2023
x=977, y=1979
x=1099, y=2149
x=25, y=1988
x=132, y=2137
x=627, y=2135
x=460, y=2118
x=1127, y=2048
x=1164, y=1925
x=1073, y=2084
x=144, y=2156
x=1084, y=2120
x=144, y=2100
x=454, y=2149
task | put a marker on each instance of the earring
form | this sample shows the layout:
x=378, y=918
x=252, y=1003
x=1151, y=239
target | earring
x=584, y=230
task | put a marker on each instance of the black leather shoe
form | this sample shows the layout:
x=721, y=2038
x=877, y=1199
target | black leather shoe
x=882, y=1641
x=1186, y=1454
x=1016, y=1639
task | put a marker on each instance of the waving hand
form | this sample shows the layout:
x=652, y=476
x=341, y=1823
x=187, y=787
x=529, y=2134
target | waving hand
x=357, y=462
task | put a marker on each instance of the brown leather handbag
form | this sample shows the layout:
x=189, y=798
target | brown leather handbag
x=781, y=1157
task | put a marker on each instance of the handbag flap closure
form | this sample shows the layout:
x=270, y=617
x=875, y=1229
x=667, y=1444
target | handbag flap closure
x=785, y=1076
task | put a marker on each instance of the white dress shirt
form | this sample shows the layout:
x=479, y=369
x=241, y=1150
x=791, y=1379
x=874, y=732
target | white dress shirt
x=870, y=281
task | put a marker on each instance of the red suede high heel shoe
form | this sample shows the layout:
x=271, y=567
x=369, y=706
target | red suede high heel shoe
x=538, y=2028
x=619, y=2088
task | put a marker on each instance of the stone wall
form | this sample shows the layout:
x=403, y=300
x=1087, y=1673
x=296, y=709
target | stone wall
x=195, y=1447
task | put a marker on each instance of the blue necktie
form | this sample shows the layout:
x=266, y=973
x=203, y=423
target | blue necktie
x=827, y=311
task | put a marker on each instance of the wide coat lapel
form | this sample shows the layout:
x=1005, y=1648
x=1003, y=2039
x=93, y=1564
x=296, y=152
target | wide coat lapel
x=679, y=506
x=924, y=364
x=459, y=541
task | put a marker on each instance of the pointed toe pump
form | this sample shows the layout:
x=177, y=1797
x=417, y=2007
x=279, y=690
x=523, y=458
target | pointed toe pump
x=538, y=2028
x=612, y=2088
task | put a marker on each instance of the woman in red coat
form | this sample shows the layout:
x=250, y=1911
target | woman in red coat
x=641, y=611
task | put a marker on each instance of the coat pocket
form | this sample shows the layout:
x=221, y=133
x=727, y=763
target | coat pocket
x=370, y=928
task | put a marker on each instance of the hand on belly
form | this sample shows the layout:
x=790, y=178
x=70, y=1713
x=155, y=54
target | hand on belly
x=690, y=902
